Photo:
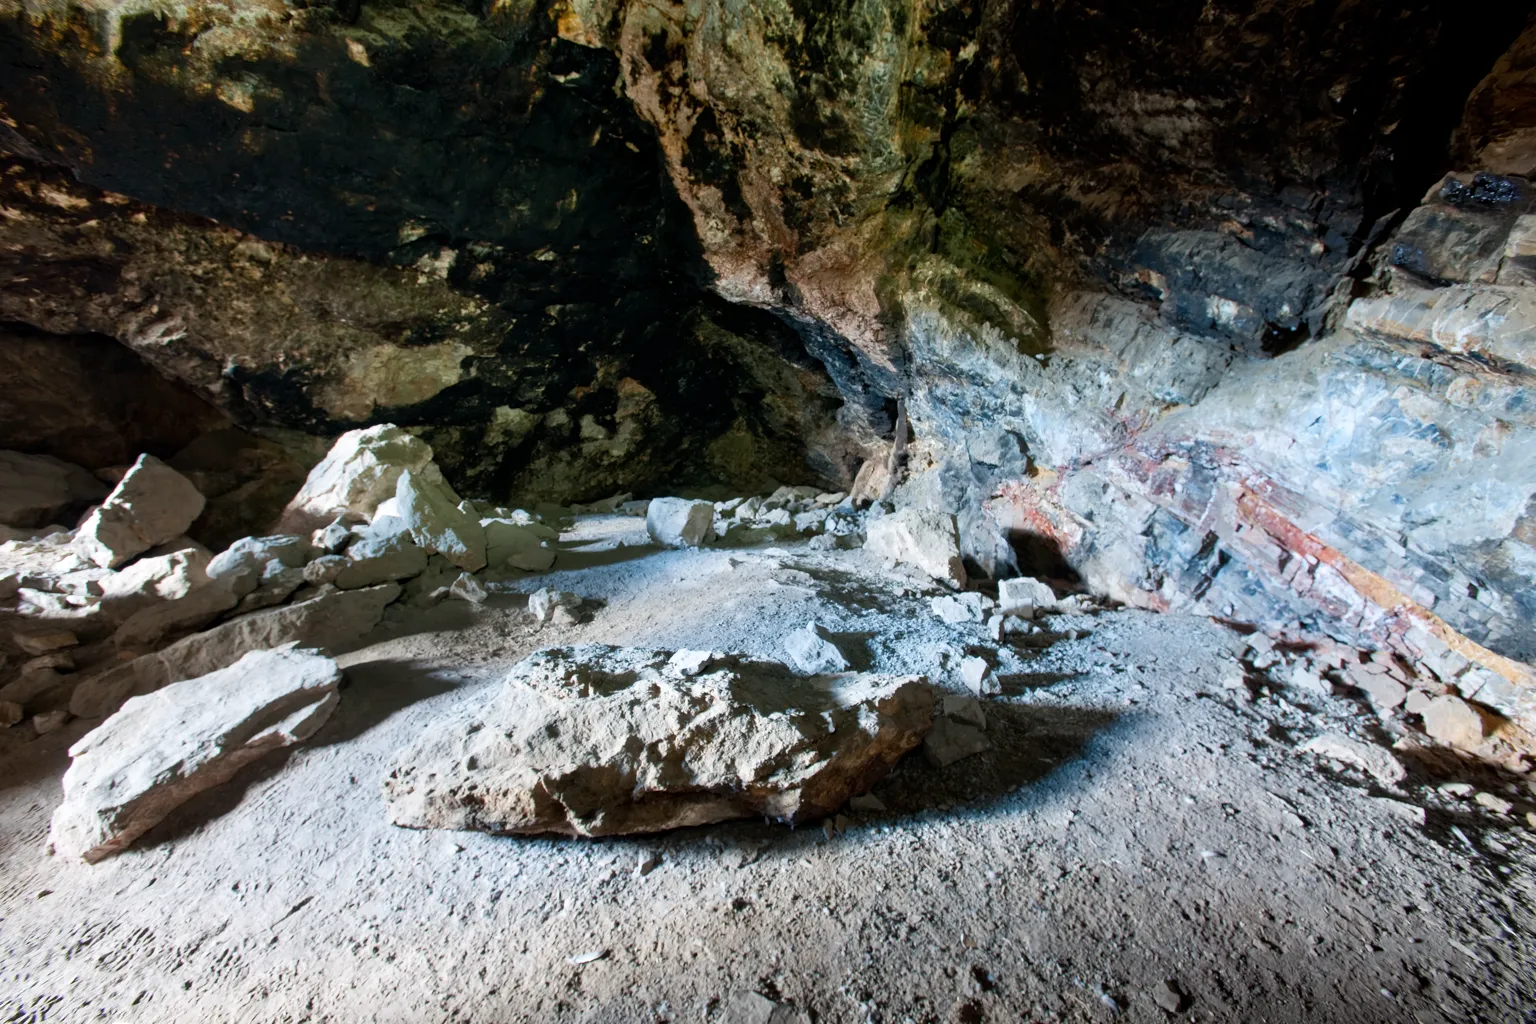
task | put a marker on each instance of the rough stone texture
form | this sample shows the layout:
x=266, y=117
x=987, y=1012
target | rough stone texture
x=38, y=490
x=431, y=512
x=1375, y=761
x=384, y=552
x=325, y=621
x=679, y=522
x=597, y=740
x=162, y=749
x=150, y=505
x=513, y=545
x=919, y=537
x=361, y=470
x=244, y=563
x=1450, y=720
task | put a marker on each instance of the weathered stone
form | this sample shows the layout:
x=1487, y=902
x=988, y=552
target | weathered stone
x=956, y=609
x=1383, y=691
x=36, y=490
x=10, y=713
x=977, y=676
x=1373, y=760
x=361, y=470
x=325, y=569
x=515, y=546
x=679, y=522
x=50, y=721
x=544, y=603
x=150, y=624
x=150, y=505
x=42, y=643
x=430, y=511
x=810, y=653
x=162, y=749
x=467, y=588
x=1450, y=720
x=385, y=551
x=919, y=537
x=244, y=563
x=278, y=583
x=597, y=740
x=326, y=621
x=167, y=577
x=953, y=740
x=1024, y=596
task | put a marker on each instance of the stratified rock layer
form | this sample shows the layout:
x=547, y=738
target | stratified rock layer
x=597, y=740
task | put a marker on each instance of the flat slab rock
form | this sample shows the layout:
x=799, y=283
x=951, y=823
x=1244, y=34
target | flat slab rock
x=596, y=740
x=162, y=749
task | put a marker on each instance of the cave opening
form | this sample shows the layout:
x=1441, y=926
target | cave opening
x=767, y=513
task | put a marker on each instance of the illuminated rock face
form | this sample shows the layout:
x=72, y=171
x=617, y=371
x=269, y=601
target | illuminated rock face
x=1220, y=309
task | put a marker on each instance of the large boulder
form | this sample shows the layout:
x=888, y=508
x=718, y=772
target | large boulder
x=596, y=740
x=327, y=620
x=162, y=749
x=431, y=512
x=679, y=522
x=36, y=490
x=921, y=537
x=150, y=505
x=165, y=577
x=361, y=470
x=245, y=562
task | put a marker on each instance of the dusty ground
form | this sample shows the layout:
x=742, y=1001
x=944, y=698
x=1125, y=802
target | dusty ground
x=1136, y=822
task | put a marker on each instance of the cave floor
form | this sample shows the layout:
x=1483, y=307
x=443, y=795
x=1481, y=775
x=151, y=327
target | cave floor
x=1135, y=822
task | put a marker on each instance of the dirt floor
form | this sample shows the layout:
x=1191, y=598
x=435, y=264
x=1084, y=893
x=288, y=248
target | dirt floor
x=1136, y=823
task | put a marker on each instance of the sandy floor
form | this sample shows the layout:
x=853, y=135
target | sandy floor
x=1135, y=823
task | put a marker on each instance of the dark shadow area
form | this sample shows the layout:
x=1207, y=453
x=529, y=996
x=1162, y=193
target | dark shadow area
x=571, y=558
x=214, y=803
x=1019, y=682
x=1041, y=557
x=845, y=588
x=855, y=648
x=375, y=690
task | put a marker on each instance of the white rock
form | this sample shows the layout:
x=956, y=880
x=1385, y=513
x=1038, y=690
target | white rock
x=362, y=469
x=431, y=512
x=542, y=604
x=50, y=721
x=958, y=608
x=976, y=674
x=245, y=562
x=327, y=620
x=1450, y=720
x=1023, y=596
x=922, y=538
x=325, y=569
x=811, y=653
x=160, y=750
x=467, y=588
x=513, y=545
x=150, y=505
x=168, y=577
x=748, y=1007
x=596, y=740
x=679, y=522
x=36, y=490
x=385, y=551
x=1373, y=760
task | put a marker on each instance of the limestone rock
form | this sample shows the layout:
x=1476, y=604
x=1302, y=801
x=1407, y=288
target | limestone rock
x=955, y=609
x=36, y=490
x=384, y=552
x=168, y=577
x=920, y=537
x=1024, y=596
x=162, y=749
x=513, y=545
x=811, y=653
x=150, y=505
x=1373, y=760
x=544, y=603
x=327, y=620
x=150, y=624
x=325, y=569
x=1450, y=720
x=362, y=469
x=597, y=740
x=42, y=643
x=431, y=513
x=953, y=740
x=244, y=563
x=679, y=522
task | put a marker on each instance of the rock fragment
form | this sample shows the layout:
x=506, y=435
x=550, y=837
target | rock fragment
x=516, y=546
x=362, y=469
x=1024, y=596
x=246, y=562
x=1450, y=720
x=150, y=505
x=953, y=740
x=1169, y=997
x=36, y=490
x=385, y=552
x=679, y=522
x=431, y=512
x=597, y=740
x=544, y=603
x=977, y=676
x=162, y=749
x=1373, y=760
x=11, y=713
x=811, y=653
x=956, y=609
x=920, y=537
x=45, y=643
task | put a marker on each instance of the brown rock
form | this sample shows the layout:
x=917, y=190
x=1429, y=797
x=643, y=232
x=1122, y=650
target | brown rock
x=1456, y=723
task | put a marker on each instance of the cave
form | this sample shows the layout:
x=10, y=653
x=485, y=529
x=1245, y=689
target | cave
x=780, y=513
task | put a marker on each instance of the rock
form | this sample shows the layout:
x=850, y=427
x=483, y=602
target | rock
x=43, y=643
x=277, y=585
x=50, y=721
x=1382, y=690
x=542, y=604
x=362, y=469
x=431, y=513
x=1494, y=802
x=1417, y=702
x=511, y=545
x=1373, y=760
x=920, y=537
x=1304, y=677
x=866, y=803
x=951, y=740
x=384, y=552
x=11, y=713
x=1023, y=596
x=150, y=505
x=976, y=674
x=335, y=536
x=811, y=653
x=1169, y=997
x=36, y=490
x=147, y=626
x=329, y=619
x=597, y=740
x=325, y=569
x=32, y=688
x=162, y=749
x=57, y=661
x=168, y=577
x=964, y=709
x=955, y=609
x=679, y=522
x=1450, y=720
x=746, y=1007
x=245, y=562
x=467, y=588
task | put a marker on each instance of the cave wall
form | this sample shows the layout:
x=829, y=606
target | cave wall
x=1218, y=306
